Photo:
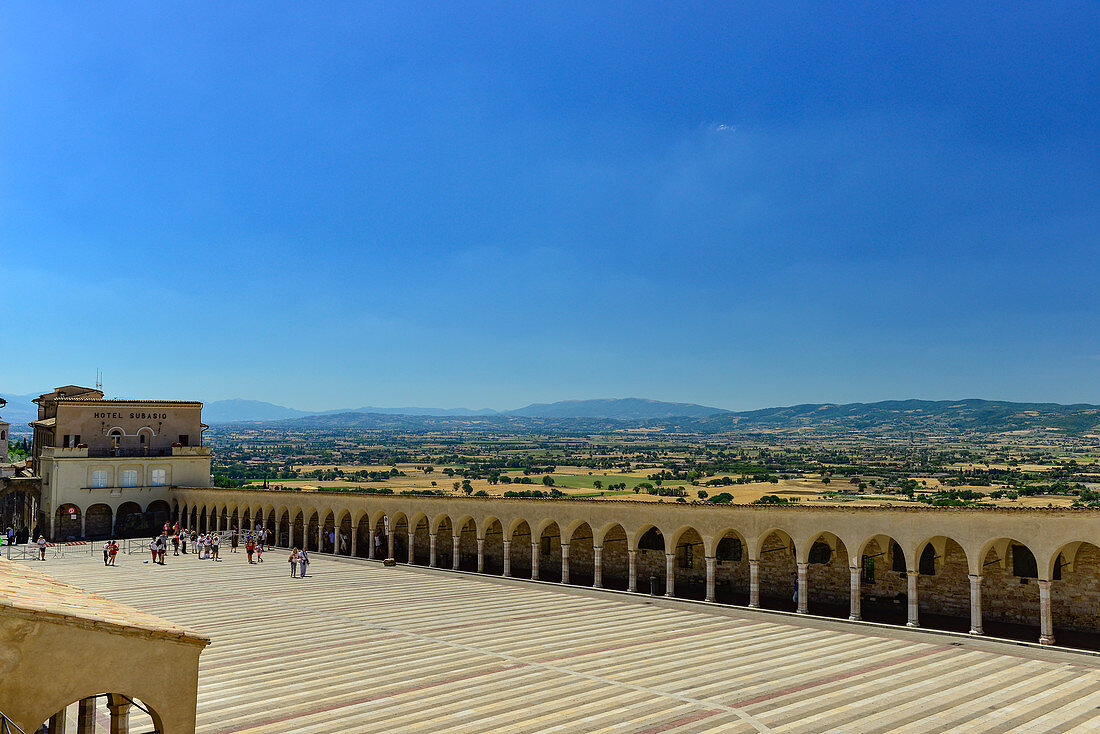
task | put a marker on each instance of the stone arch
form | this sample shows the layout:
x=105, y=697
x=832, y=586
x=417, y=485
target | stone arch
x=68, y=521
x=1009, y=574
x=731, y=576
x=421, y=539
x=520, y=550
x=444, y=541
x=140, y=715
x=399, y=527
x=650, y=547
x=1073, y=571
x=466, y=527
x=345, y=532
x=130, y=521
x=689, y=567
x=883, y=579
x=615, y=549
x=581, y=541
x=297, y=528
x=328, y=532
x=158, y=513
x=492, y=536
x=364, y=539
x=776, y=552
x=98, y=520
x=548, y=550
x=313, y=528
x=828, y=575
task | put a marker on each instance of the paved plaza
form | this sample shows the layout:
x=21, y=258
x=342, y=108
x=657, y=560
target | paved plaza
x=358, y=647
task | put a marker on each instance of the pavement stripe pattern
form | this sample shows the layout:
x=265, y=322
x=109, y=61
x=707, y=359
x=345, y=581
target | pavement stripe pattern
x=361, y=648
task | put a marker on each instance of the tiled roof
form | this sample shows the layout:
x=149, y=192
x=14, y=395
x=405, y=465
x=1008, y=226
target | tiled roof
x=27, y=589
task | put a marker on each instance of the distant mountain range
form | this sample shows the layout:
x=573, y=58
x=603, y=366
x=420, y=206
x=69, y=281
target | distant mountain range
x=890, y=417
x=239, y=411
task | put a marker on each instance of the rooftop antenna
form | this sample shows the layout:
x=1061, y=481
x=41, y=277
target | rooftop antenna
x=99, y=379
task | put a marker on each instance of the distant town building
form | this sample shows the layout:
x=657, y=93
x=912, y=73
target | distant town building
x=106, y=464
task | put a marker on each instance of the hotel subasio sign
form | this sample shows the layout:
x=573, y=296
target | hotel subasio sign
x=137, y=416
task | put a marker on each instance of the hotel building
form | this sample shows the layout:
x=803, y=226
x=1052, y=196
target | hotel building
x=106, y=465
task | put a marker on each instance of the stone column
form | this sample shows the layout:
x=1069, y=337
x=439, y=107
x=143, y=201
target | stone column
x=320, y=538
x=355, y=541
x=53, y=536
x=370, y=545
x=454, y=552
x=975, y=604
x=712, y=572
x=803, y=592
x=914, y=602
x=854, y=593
x=754, y=584
x=431, y=550
x=565, y=563
x=632, y=576
x=534, y=560
x=389, y=544
x=481, y=555
x=670, y=574
x=57, y=722
x=85, y=716
x=410, y=551
x=83, y=522
x=507, y=558
x=120, y=716
x=597, y=567
x=1046, y=620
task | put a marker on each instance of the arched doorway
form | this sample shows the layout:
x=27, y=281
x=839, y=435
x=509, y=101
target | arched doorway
x=689, y=566
x=1075, y=596
x=650, y=561
x=444, y=543
x=582, y=555
x=130, y=521
x=778, y=572
x=520, y=551
x=97, y=522
x=828, y=577
x=493, y=547
x=549, y=550
x=1010, y=591
x=731, y=576
x=67, y=522
x=614, y=558
x=158, y=514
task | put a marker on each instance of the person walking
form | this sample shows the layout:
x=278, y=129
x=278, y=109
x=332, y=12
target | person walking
x=259, y=553
x=41, y=547
x=153, y=549
x=112, y=552
x=233, y=540
x=215, y=543
x=183, y=542
x=303, y=561
x=106, y=551
x=293, y=563
x=249, y=548
x=176, y=544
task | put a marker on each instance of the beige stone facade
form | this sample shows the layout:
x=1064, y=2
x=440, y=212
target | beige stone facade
x=968, y=566
x=106, y=465
x=65, y=652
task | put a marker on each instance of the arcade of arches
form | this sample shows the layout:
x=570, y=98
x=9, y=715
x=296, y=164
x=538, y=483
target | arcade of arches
x=1027, y=573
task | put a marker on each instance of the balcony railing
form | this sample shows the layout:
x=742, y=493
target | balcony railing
x=53, y=452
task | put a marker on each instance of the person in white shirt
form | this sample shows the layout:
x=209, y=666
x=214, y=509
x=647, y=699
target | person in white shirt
x=215, y=543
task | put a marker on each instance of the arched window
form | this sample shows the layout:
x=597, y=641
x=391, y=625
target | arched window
x=820, y=552
x=1023, y=562
x=928, y=561
x=897, y=557
x=652, y=540
x=729, y=549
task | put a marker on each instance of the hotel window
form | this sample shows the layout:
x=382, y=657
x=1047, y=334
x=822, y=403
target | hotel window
x=99, y=478
x=159, y=477
x=129, y=478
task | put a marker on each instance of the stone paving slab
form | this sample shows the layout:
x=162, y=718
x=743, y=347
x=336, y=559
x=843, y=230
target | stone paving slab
x=357, y=647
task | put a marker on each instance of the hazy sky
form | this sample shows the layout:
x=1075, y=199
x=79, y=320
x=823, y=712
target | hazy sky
x=466, y=204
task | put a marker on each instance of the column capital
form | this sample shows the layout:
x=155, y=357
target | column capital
x=1044, y=584
x=912, y=574
x=976, y=578
x=802, y=565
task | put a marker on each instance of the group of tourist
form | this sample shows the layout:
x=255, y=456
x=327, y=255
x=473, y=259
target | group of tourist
x=298, y=558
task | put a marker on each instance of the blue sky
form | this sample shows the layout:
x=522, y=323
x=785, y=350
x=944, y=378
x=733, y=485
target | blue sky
x=490, y=204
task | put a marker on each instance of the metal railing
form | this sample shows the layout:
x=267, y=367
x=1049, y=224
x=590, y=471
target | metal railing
x=7, y=726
